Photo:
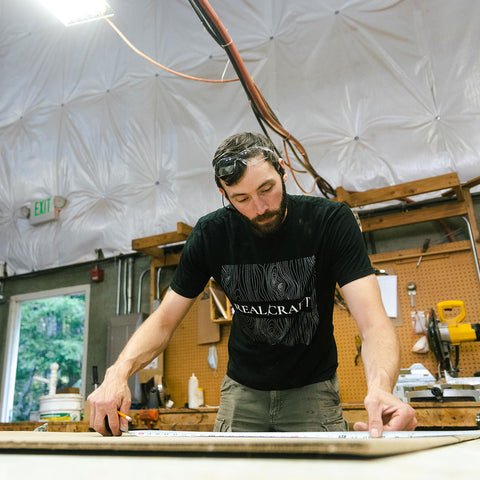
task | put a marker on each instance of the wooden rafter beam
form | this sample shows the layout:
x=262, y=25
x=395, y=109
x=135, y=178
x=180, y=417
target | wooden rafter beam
x=401, y=191
x=467, y=185
x=155, y=244
x=413, y=216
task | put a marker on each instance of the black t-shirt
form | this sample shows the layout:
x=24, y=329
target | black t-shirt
x=281, y=287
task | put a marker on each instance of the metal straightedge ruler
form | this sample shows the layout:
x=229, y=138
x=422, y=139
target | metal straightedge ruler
x=317, y=435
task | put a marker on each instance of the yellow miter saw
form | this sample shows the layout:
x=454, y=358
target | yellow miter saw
x=445, y=335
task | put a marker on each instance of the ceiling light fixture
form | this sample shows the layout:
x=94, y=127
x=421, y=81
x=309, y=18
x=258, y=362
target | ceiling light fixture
x=71, y=12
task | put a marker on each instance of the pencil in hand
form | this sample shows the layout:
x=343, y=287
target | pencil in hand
x=121, y=414
x=129, y=419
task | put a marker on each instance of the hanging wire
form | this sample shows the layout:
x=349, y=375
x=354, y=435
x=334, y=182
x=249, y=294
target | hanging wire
x=146, y=57
x=262, y=111
x=292, y=170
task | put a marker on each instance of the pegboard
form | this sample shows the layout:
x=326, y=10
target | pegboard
x=446, y=272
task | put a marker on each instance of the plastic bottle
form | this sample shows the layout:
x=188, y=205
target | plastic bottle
x=193, y=392
x=200, y=397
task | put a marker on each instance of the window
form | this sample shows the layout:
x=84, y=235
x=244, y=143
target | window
x=43, y=328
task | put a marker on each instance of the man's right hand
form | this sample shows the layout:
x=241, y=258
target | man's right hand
x=112, y=395
x=148, y=341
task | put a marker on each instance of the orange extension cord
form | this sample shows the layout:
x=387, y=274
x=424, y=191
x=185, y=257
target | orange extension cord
x=256, y=97
x=146, y=57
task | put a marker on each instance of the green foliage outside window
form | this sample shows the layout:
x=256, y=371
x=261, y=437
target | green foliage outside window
x=51, y=331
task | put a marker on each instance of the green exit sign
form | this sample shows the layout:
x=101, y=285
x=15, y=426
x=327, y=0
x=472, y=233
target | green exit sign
x=43, y=211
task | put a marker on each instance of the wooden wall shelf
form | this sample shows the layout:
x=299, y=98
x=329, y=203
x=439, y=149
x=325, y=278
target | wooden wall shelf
x=156, y=244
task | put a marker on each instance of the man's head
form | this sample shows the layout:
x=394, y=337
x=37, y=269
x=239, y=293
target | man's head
x=252, y=178
x=232, y=155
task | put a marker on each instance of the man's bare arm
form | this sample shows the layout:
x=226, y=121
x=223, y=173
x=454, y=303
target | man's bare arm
x=381, y=358
x=149, y=341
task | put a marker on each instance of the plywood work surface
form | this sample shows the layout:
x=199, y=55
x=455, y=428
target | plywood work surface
x=301, y=444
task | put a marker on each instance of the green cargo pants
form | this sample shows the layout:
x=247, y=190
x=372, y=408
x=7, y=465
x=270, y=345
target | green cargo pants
x=313, y=408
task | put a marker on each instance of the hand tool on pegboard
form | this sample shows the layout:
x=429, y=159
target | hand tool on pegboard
x=425, y=246
x=412, y=291
x=340, y=301
x=358, y=345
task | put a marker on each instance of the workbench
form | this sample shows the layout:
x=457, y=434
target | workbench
x=456, y=459
x=49, y=456
x=430, y=415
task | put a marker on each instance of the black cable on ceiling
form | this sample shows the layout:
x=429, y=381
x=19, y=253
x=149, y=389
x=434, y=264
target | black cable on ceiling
x=262, y=111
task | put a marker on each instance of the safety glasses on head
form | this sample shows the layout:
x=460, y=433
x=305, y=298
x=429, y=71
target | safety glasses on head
x=230, y=166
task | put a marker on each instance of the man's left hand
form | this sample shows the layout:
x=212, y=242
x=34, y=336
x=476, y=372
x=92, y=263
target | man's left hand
x=386, y=412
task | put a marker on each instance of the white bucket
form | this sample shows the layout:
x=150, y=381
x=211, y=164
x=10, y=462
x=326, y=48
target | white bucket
x=61, y=407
